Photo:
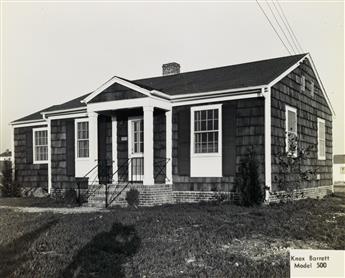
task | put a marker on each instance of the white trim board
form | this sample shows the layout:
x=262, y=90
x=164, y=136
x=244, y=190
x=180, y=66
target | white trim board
x=29, y=123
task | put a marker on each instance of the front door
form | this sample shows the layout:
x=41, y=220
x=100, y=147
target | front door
x=136, y=149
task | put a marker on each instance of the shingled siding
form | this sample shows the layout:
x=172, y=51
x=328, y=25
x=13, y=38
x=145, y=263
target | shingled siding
x=105, y=155
x=61, y=180
x=159, y=146
x=28, y=174
x=249, y=123
x=309, y=108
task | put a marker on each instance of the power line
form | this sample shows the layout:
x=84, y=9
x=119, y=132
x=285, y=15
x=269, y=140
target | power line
x=280, y=27
x=286, y=27
x=293, y=33
x=273, y=27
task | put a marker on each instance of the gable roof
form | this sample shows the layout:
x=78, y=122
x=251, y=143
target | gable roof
x=229, y=77
x=233, y=77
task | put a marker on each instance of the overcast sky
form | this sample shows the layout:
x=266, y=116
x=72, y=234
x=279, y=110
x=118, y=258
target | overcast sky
x=53, y=52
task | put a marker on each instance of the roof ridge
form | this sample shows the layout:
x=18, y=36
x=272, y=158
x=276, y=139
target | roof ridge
x=220, y=67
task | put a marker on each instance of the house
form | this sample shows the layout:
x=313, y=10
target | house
x=179, y=137
x=339, y=169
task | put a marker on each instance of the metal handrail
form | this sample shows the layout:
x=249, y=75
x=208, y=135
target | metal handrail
x=166, y=160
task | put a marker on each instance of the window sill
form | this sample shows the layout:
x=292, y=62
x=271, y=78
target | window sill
x=82, y=158
x=206, y=155
x=40, y=162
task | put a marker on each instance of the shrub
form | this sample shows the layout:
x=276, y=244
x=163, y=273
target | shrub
x=247, y=180
x=132, y=197
x=292, y=171
x=8, y=186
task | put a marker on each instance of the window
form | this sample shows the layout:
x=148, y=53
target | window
x=312, y=88
x=291, y=130
x=82, y=138
x=40, y=145
x=206, y=130
x=321, y=142
x=206, y=141
x=138, y=136
x=303, y=83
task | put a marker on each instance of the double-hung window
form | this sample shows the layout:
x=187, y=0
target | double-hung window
x=40, y=145
x=206, y=141
x=82, y=138
x=291, y=130
x=321, y=139
x=206, y=130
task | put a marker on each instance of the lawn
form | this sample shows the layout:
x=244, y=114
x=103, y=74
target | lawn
x=203, y=240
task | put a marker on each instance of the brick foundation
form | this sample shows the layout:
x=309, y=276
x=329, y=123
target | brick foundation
x=311, y=192
x=198, y=196
x=160, y=194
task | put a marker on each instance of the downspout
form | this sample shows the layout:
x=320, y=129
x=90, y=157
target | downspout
x=12, y=154
x=268, y=170
x=49, y=154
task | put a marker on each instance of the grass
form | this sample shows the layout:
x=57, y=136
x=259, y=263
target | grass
x=201, y=240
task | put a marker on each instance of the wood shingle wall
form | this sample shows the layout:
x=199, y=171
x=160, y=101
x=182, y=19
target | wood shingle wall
x=28, y=174
x=309, y=108
x=248, y=117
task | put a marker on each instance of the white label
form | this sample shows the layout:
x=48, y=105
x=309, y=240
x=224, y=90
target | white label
x=317, y=263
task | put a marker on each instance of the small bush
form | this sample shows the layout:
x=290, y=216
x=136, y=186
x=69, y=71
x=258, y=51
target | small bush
x=8, y=187
x=132, y=197
x=247, y=181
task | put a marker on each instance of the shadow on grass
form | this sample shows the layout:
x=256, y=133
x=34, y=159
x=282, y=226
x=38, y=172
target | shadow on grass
x=15, y=253
x=106, y=253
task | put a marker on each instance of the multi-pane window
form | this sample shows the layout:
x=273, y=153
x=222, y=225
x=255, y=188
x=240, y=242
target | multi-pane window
x=303, y=83
x=138, y=136
x=206, y=131
x=321, y=144
x=83, y=139
x=40, y=148
x=291, y=130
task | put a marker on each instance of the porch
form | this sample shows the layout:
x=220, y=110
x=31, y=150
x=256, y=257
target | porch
x=133, y=150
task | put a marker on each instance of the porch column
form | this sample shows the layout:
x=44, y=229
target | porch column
x=93, y=141
x=148, y=145
x=168, y=146
x=114, y=146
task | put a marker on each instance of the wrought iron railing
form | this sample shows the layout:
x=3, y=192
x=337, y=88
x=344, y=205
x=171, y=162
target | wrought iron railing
x=127, y=173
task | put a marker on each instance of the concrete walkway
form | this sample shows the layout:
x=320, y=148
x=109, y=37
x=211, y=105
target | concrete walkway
x=74, y=210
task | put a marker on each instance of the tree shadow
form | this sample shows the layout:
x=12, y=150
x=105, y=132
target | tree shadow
x=105, y=254
x=15, y=253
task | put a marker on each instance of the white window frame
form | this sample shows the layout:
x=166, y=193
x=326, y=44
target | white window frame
x=34, y=130
x=76, y=139
x=206, y=164
x=319, y=156
x=302, y=83
x=287, y=110
x=201, y=108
